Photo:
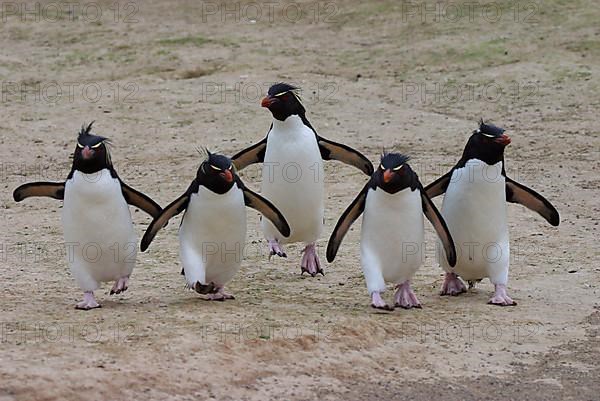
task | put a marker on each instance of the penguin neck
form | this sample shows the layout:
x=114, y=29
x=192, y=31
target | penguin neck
x=293, y=123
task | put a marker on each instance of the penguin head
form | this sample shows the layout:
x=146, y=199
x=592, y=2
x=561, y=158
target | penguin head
x=91, y=154
x=487, y=144
x=394, y=174
x=283, y=100
x=216, y=173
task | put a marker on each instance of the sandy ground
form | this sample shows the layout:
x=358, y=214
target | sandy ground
x=161, y=78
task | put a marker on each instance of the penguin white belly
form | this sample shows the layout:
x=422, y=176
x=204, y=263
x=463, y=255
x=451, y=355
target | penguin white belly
x=212, y=236
x=293, y=180
x=474, y=208
x=392, y=237
x=100, y=239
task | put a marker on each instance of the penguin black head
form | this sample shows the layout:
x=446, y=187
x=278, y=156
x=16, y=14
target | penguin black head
x=486, y=144
x=283, y=100
x=216, y=173
x=91, y=154
x=394, y=174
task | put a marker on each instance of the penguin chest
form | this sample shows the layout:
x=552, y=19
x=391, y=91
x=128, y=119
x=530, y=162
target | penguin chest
x=474, y=208
x=392, y=234
x=98, y=230
x=212, y=235
x=293, y=179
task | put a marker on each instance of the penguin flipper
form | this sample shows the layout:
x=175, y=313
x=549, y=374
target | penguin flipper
x=439, y=224
x=266, y=208
x=140, y=200
x=54, y=190
x=251, y=155
x=439, y=186
x=519, y=193
x=336, y=151
x=174, y=208
x=346, y=219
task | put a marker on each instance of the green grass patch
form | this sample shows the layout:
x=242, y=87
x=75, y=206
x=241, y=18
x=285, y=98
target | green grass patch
x=185, y=41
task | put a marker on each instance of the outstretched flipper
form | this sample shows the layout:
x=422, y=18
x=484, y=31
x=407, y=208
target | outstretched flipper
x=174, y=208
x=266, y=208
x=439, y=186
x=251, y=155
x=343, y=225
x=54, y=190
x=140, y=200
x=336, y=151
x=519, y=193
x=439, y=224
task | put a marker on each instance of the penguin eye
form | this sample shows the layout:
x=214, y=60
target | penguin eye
x=80, y=145
x=398, y=168
x=215, y=168
x=97, y=145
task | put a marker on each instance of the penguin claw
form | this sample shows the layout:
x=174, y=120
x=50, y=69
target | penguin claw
x=385, y=307
x=280, y=254
x=405, y=297
x=205, y=288
x=313, y=273
x=500, y=297
x=219, y=295
x=452, y=285
x=89, y=302
x=120, y=286
x=310, y=261
x=378, y=303
x=276, y=249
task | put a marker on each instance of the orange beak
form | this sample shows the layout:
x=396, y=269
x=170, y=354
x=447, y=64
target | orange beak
x=227, y=175
x=87, y=153
x=388, y=175
x=503, y=140
x=267, y=102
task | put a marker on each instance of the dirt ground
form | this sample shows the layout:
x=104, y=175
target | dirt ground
x=164, y=77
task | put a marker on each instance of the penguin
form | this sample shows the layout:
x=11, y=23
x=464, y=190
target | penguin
x=392, y=234
x=212, y=233
x=99, y=236
x=474, y=206
x=292, y=175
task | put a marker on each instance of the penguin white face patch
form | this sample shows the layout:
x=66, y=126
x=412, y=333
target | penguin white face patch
x=96, y=146
x=219, y=169
x=488, y=135
x=381, y=166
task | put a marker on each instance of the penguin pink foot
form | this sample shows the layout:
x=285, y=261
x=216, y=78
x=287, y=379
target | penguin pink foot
x=276, y=249
x=310, y=261
x=120, y=285
x=220, y=295
x=500, y=297
x=452, y=285
x=378, y=303
x=89, y=302
x=405, y=297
